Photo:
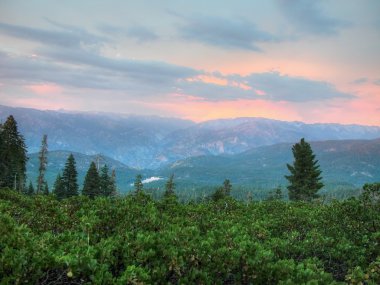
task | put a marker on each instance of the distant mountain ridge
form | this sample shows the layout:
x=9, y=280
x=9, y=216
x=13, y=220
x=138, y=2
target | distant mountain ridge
x=153, y=142
x=343, y=162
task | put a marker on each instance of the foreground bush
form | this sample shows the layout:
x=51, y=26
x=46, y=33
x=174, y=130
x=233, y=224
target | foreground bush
x=135, y=240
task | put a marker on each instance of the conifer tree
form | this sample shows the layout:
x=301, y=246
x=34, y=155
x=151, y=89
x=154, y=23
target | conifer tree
x=227, y=187
x=138, y=184
x=275, y=194
x=105, y=182
x=222, y=191
x=91, y=186
x=70, y=178
x=170, y=187
x=43, y=163
x=45, y=188
x=58, y=188
x=2, y=158
x=113, y=183
x=13, y=156
x=30, y=191
x=305, y=175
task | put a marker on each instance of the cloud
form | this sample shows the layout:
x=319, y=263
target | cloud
x=224, y=33
x=142, y=34
x=360, y=80
x=308, y=18
x=270, y=86
x=44, y=89
x=67, y=58
x=144, y=79
x=111, y=29
x=68, y=38
x=377, y=82
x=278, y=87
x=81, y=69
x=148, y=71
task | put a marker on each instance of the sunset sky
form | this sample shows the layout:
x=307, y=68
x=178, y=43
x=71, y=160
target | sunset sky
x=304, y=60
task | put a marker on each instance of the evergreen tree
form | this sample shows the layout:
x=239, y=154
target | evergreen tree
x=275, y=194
x=227, y=187
x=91, y=186
x=305, y=175
x=3, y=167
x=113, y=183
x=45, y=188
x=58, y=188
x=30, y=191
x=70, y=178
x=43, y=163
x=138, y=184
x=222, y=191
x=106, y=185
x=12, y=156
x=170, y=187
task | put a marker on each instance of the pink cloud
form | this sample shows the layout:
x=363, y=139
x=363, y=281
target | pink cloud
x=204, y=110
x=41, y=103
x=45, y=89
x=260, y=92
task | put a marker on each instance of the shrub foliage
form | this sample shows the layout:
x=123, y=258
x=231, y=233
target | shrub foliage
x=136, y=240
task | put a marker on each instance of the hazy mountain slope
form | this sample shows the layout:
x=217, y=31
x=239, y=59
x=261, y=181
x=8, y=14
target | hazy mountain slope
x=348, y=161
x=56, y=163
x=131, y=139
x=238, y=135
x=151, y=142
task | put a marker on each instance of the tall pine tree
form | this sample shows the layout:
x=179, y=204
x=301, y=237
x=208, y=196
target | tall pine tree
x=30, y=191
x=138, y=184
x=113, y=183
x=3, y=165
x=42, y=168
x=58, y=188
x=305, y=175
x=91, y=186
x=45, y=189
x=12, y=156
x=70, y=178
x=105, y=182
x=170, y=187
x=227, y=187
x=222, y=191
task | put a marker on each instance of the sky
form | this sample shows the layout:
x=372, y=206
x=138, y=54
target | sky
x=293, y=60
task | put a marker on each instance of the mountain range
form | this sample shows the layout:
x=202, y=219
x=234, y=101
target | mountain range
x=149, y=142
x=345, y=164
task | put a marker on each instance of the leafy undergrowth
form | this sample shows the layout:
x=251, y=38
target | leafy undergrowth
x=136, y=240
